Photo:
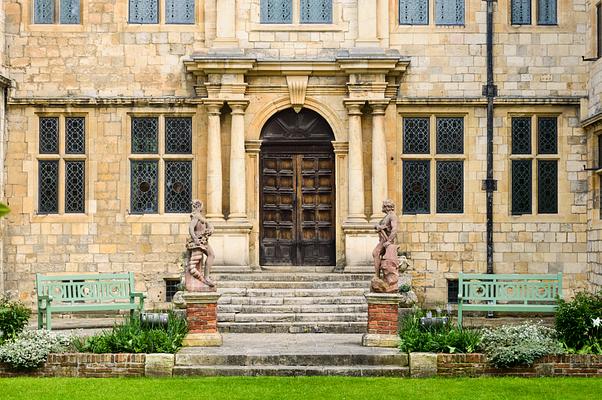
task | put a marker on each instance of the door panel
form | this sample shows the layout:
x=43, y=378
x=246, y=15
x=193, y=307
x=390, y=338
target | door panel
x=297, y=204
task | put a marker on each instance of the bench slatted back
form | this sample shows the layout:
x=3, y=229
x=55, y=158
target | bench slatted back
x=94, y=288
x=510, y=288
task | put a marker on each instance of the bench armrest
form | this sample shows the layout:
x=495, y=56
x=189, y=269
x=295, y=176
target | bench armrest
x=138, y=294
x=44, y=298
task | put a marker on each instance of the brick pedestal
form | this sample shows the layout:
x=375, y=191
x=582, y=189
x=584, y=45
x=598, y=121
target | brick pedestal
x=383, y=320
x=201, y=315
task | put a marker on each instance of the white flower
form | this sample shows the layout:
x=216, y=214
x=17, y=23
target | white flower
x=596, y=322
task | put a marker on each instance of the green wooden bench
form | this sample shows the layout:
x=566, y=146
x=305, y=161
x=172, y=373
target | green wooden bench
x=85, y=292
x=508, y=292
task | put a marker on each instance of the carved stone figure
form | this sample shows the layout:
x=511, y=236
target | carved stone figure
x=386, y=261
x=201, y=254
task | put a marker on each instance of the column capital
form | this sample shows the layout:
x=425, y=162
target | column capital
x=238, y=106
x=354, y=107
x=379, y=106
x=253, y=146
x=214, y=106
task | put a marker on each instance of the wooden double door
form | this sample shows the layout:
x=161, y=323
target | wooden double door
x=297, y=206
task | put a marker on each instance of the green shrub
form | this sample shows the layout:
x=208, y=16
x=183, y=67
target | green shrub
x=437, y=339
x=30, y=349
x=508, y=346
x=13, y=318
x=578, y=322
x=133, y=337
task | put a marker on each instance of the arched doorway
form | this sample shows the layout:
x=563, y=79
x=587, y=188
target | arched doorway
x=297, y=190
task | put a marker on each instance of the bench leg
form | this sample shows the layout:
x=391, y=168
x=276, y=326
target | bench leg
x=48, y=320
x=460, y=315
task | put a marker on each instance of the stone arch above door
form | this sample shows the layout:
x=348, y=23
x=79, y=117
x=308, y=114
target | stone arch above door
x=304, y=126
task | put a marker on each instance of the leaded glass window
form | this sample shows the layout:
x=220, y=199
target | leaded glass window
x=521, y=187
x=75, y=180
x=413, y=12
x=75, y=138
x=178, y=135
x=48, y=185
x=178, y=186
x=520, y=12
x=547, y=135
x=144, y=135
x=69, y=11
x=521, y=135
x=179, y=11
x=449, y=12
x=416, y=187
x=450, y=186
x=144, y=187
x=546, y=12
x=450, y=135
x=43, y=11
x=49, y=135
x=144, y=11
x=416, y=135
x=316, y=11
x=547, y=186
x=276, y=11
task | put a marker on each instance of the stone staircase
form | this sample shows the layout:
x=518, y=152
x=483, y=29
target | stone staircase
x=292, y=300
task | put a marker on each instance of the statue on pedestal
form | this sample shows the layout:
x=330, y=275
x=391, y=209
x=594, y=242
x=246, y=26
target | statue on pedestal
x=201, y=254
x=386, y=261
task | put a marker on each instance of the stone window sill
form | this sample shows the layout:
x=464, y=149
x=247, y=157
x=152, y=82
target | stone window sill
x=296, y=28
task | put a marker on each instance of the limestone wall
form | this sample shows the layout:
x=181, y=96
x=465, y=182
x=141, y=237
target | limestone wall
x=595, y=89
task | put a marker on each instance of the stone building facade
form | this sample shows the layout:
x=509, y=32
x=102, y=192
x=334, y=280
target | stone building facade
x=119, y=112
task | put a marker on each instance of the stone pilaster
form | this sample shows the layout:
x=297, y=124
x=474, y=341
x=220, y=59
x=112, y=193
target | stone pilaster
x=225, y=25
x=201, y=316
x=379, y=158
x=214, y=160
x=366, y=28
x=383, y=320
x=355, y=162
x=238, y=187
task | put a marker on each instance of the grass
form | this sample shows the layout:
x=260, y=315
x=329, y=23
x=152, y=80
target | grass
x=262, y=388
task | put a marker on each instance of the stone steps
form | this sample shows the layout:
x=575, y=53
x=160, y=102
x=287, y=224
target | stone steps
x=291, y=277
x=264, y=284
x=292, y=308
x=286, y=370
x=292, y=317
x=292, y=327
x=283, y=292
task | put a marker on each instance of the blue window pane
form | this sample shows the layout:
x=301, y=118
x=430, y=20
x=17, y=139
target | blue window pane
x=521, y=12
x=449, y=12
x=70, y=12
x=43, y=12
x=276, y=11
x=413, y=12
x=546, y=12
x=316, y=11
x=179, y=11
x=144, y=11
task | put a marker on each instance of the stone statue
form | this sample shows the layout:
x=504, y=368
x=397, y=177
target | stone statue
x=197, y=274
x=386, y=261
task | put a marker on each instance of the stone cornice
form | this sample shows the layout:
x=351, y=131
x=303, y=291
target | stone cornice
x=594, y=122
x=410, y=101
x=104, y=101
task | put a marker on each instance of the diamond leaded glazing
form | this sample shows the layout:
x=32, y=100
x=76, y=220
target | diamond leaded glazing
x=144, y=11
x=316, y=11
x=521, y=135
x=75, y=139
x=178, y=135
x=49, y=135
x=145, y=135
x=48, y=178
x=276, y=11
x=144, y=187
x=450, y=135
x=70, y=11
x=520, y=12
x=43, y=11
x=547, y=135
x=413, y=12
x=179, y=11
x=416, y=187
x=416, y=135
x=75, y=180
x=178, y=186
x=521, y=187
x=450, y=186
x=547, y=186
x=546, y=12
x=449, y=12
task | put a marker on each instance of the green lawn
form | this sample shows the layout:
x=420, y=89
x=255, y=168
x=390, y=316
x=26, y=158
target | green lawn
x=301, y=388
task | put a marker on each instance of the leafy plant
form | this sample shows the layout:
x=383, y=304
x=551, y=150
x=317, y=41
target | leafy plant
x=578, y=322
x=4, y=209
x=511, y=345
x=133, y=337
x=13, y=318
x=438, y=338
x=30, y=349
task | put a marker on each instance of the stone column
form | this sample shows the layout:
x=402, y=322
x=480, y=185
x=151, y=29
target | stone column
x=383, y=320
x=238, y=175
x=225, y=29
x=355, y=162
x=201, y=316
x=379, y=159
x=214, y=161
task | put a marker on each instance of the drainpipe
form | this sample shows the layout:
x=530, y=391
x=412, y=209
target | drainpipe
x=490, y=91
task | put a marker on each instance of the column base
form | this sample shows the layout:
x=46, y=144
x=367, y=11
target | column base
x=203, y=340
x=360, y=241
x=376, y=340
x=230, y=243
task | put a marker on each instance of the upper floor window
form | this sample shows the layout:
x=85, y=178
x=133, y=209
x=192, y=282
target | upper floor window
x=147, y=11
x=56, y=11
x=521, y=12
x=416, y=12
x=310, y=11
